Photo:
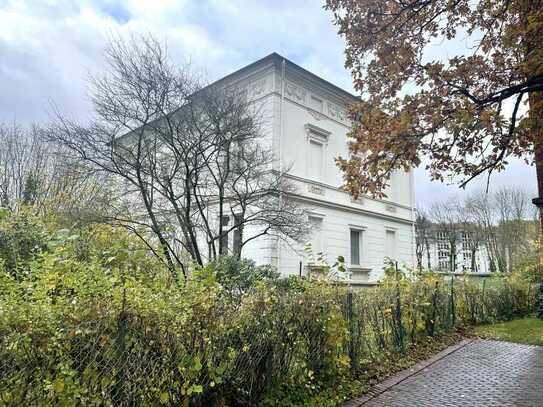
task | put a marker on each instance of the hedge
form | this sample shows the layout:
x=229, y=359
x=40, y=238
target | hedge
x=96, y=324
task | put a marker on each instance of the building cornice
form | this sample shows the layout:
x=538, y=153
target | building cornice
x=328, y=186
x=335, y=205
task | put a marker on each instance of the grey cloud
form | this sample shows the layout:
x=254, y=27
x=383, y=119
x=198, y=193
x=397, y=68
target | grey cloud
x=47, y=54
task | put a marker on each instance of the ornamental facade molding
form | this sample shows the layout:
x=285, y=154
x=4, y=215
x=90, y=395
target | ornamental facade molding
x=258, y=88
x=302, y=95
x=253, y=90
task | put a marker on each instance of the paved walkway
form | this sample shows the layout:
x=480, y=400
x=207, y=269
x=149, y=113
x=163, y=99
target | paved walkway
x=473, y=373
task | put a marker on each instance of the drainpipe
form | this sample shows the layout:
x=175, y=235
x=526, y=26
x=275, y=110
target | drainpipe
x=413, y=231
x=281, y=125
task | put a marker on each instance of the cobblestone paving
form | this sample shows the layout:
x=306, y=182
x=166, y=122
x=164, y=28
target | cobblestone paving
x=482, y=373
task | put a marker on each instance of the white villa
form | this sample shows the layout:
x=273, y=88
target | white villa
x=306, y=126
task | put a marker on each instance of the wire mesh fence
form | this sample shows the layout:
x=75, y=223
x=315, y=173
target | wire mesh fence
x=223, y=349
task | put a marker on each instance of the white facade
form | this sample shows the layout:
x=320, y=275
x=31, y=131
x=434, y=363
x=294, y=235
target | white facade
x=305, y=123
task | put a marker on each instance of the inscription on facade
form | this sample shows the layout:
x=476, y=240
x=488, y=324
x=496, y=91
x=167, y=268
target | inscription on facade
x=315, y=189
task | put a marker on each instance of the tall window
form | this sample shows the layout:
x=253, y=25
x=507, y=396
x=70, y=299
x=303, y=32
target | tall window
x=317, y=139
x=316, y=234
x=316, y=156
x=390, y=244
x=237, y=154
x=355, y=247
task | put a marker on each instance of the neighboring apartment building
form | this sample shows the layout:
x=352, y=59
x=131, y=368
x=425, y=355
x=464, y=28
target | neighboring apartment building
x=468, y=256
x=306, y=125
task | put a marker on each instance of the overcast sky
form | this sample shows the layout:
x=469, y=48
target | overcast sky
x=47, y=48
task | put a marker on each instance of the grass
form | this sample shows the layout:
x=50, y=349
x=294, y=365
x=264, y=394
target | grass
x=527, y=330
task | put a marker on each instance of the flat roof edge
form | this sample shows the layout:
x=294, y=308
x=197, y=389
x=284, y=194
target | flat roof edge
x=276, y=58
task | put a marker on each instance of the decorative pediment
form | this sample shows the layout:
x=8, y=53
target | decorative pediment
x=317, y=133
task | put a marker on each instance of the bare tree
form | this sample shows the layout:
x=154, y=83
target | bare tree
x=32, y=173
x=501, y=225
x=514, y=228
x=446, y=217
x=502, y=222
x=24, y=162
x=185, y=156
x=424, y=237
x=474, y=228
x=482, y=213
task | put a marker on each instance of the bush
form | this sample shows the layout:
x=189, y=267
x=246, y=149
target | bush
x=239, y=275
x=97, y=322
x=22, y=236
x=532, y=273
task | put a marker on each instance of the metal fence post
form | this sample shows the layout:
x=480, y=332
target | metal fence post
x=540, y=302
x=398, y=316
x=453, y=311
x=351, y=326
x=483, y=303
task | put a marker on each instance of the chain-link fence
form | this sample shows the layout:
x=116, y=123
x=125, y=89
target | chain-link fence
x=222, y=349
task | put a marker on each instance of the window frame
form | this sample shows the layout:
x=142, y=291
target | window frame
x=362, y=229
x=394, y=248
x=320, y=219
x=316, y=135
x=310, y=173
x=359, y=248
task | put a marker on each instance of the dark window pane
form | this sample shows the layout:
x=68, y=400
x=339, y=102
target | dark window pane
x=355, y=247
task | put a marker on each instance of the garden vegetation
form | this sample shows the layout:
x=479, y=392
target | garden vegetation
x=89, y=317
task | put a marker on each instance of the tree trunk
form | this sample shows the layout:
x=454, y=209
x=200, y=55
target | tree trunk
x=155, y=226
x=221, y=224
x=452, y=255
x=428, y=256
x=534, y=53
x=538, y=156
x=536, y=114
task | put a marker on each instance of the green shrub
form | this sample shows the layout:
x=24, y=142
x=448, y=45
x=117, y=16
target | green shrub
x=239, y=275
x=96, y=321
x=22, y=236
